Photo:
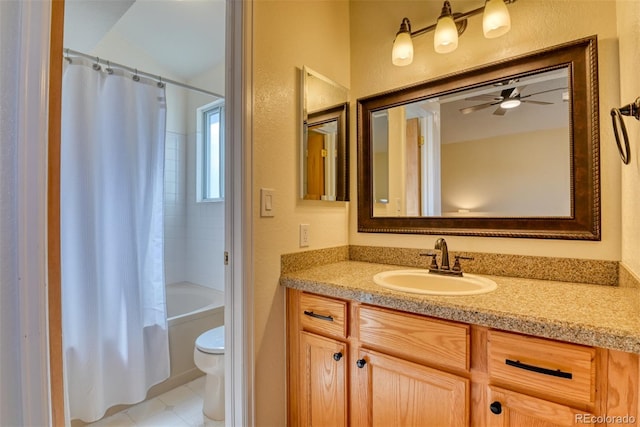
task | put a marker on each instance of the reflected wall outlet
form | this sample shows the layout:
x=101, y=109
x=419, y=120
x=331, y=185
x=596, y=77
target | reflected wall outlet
x=304, y=235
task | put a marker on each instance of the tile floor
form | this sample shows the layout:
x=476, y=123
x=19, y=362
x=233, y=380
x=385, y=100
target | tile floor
x=180, y=407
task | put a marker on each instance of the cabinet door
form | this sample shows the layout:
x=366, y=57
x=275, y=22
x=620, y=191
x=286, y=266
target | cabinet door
x=395, y=392
x=323, y=385
x=507, y=408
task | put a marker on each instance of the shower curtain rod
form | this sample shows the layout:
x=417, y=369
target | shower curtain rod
x=135, y=71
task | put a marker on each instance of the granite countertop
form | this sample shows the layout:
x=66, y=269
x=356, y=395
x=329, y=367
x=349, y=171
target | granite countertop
x=602, y=316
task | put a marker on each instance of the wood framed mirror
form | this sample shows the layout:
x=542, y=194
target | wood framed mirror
x=324, y=153
x=510, y=149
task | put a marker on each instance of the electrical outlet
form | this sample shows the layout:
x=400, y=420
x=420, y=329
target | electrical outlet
x=304, y=235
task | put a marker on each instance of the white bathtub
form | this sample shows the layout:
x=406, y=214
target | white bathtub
x=191, y=310
x=187, y=301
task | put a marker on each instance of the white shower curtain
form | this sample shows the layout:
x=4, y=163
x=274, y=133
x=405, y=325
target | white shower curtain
x=113, y=299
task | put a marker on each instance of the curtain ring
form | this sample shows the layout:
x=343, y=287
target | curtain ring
x=96, y=65
x=109, y=70
x=616, y=117
x=136, y=77
x=160, y=84
x=66, y=55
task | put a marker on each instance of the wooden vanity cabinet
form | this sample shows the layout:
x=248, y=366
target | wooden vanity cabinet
x=323, y=381
x=393, y=369
x=512, y=409
x=396, y=392
x=410, y=369
x=541, y=382
x=318, y=355
x=401, y=369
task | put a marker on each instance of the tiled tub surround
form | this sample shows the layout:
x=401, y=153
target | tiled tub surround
x=582, y=313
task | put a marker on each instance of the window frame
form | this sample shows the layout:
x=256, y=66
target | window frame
x=203, y=166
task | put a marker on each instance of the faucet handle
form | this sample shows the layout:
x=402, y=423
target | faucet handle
x=434, y=263
x=456, y=264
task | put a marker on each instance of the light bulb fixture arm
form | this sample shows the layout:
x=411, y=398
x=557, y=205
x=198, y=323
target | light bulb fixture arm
x=405, y=27
x=459, y=18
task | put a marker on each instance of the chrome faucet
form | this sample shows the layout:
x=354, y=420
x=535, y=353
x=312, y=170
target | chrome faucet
x=444, y=268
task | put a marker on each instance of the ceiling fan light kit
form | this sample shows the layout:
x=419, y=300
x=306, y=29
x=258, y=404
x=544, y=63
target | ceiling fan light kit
x=510, y=103
x=507, y=100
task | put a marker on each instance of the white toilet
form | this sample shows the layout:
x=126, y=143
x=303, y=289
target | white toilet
x=208, y=355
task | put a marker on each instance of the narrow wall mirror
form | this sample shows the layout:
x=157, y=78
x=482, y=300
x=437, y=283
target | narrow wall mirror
x=510, y=149
x=324, y=159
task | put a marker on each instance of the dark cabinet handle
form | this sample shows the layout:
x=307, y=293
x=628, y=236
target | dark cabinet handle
x=337, y=356
x=538, y=369
x=360, y=363
x=318, y=316
x=496, y=408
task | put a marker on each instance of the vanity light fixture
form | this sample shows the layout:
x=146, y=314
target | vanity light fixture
x=402, y=46
x=445, y=38
x=449, y=26
x=496, y=21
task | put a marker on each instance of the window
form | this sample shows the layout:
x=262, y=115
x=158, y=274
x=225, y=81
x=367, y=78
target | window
x=210, y=182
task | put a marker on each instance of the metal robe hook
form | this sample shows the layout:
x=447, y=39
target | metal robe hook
x=632, y=110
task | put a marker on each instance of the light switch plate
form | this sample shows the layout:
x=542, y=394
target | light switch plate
x=267, y=202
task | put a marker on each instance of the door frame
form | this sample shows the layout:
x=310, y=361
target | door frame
x=239, y=357
x=238, y=223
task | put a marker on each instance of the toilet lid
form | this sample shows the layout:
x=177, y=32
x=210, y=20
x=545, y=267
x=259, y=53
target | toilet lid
x=211, y=341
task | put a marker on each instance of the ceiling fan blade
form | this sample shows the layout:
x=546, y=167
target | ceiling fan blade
x=485, y=97
x=544, y=91
x=530, y=101
x=500, y=111
x=473, y=108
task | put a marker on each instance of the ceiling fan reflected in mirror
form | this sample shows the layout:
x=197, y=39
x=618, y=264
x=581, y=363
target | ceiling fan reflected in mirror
x=507, y=99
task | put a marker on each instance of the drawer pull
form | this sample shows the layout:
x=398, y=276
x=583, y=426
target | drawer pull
x=318, y=316
x=533, y=368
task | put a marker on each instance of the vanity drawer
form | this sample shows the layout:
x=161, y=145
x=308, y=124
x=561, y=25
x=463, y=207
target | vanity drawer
x=418, y=338
x=550, y=369
x=323, y=315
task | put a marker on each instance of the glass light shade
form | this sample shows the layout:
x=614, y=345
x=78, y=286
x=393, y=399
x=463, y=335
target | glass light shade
x=402, y=53
x=510, y=103
x=496, y=20
x=445, y=39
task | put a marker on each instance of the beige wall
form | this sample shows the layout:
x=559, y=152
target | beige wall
x=531, y=176
x=286, y=36
x=536, y=24
x=629, y=34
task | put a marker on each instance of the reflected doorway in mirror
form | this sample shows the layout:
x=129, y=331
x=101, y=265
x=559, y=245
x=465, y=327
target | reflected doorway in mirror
x=324, y=147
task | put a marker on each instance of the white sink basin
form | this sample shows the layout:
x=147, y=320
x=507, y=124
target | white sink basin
x=423, y=282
